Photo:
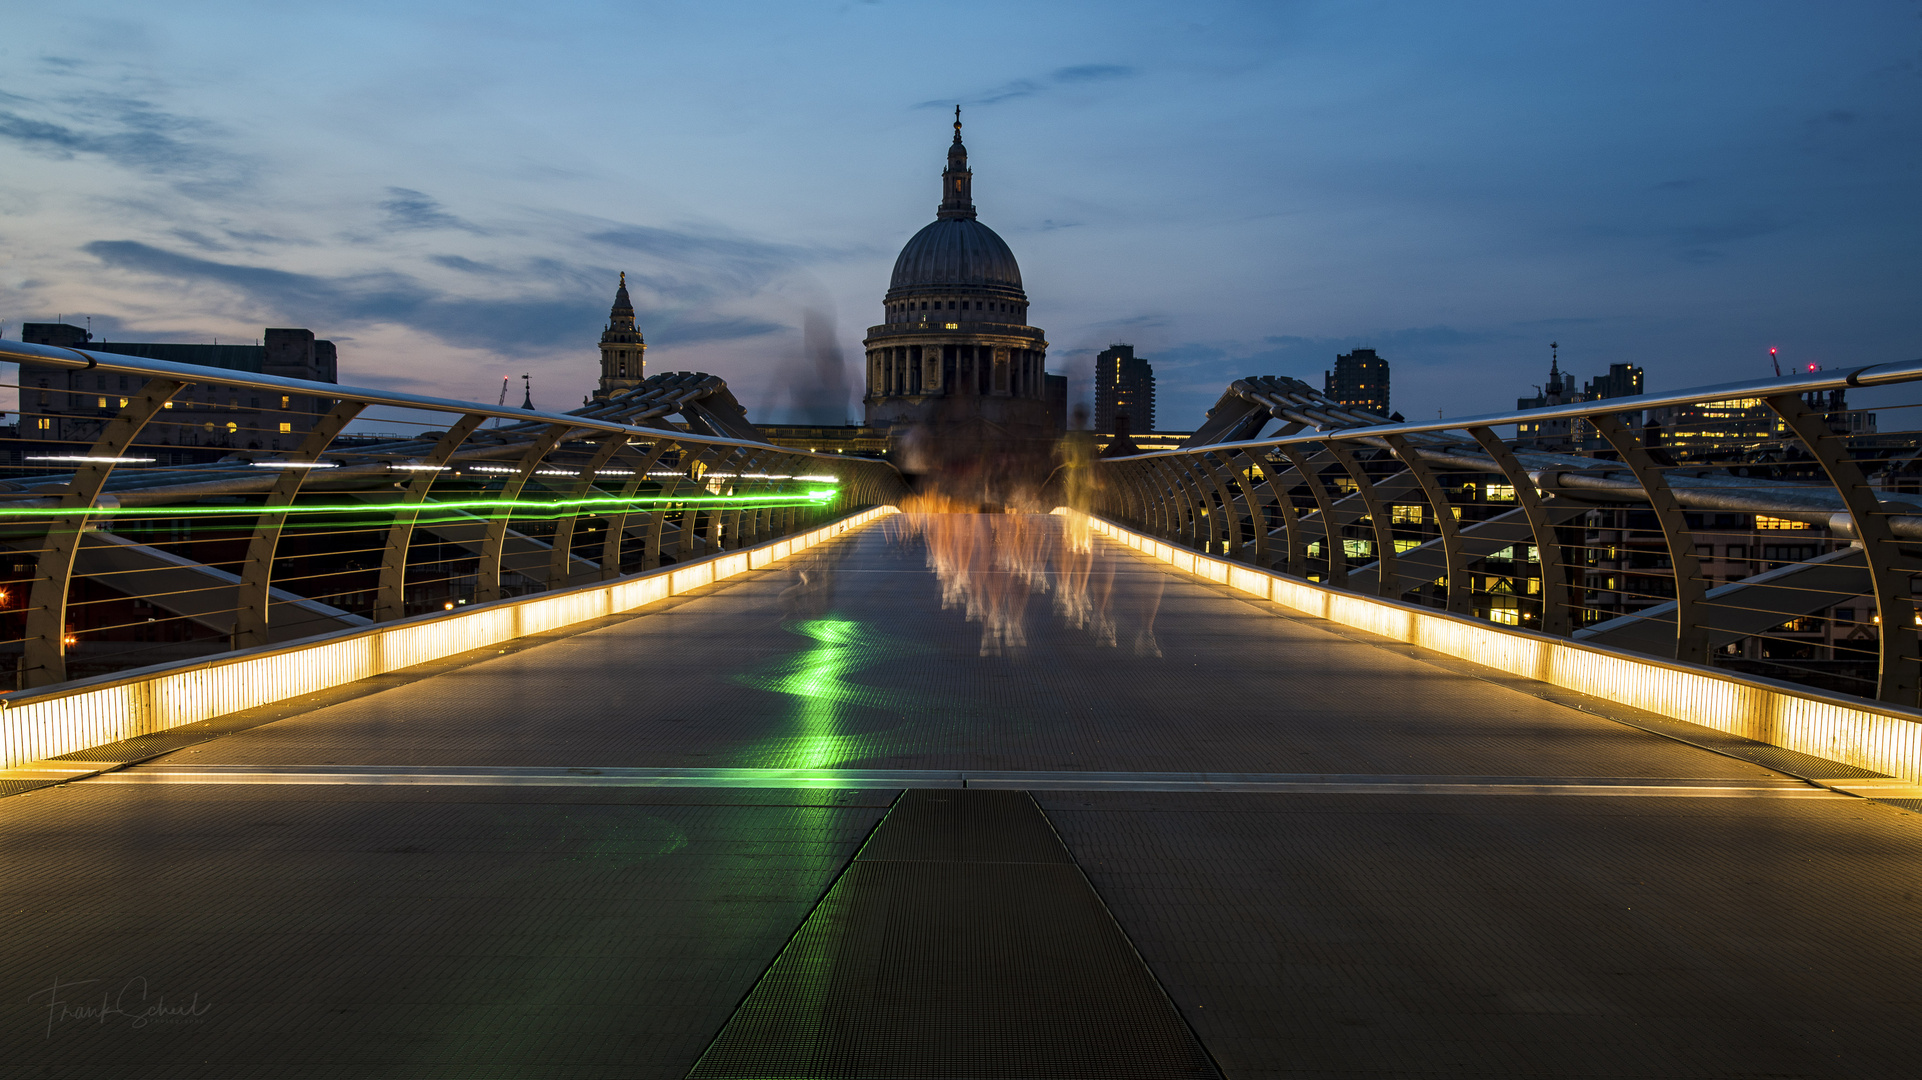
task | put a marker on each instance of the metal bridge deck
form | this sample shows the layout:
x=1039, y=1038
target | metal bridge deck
x=1276, y=851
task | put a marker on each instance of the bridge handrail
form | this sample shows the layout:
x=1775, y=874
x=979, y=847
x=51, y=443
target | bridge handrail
x=1412, y=506
x=189, y=525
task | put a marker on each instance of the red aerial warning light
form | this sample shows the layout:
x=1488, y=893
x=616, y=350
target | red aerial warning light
x=1814, y=367
x=1771, y=350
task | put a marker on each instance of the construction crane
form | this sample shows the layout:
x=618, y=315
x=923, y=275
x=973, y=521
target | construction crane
x=1772, y=360
x=502, y=403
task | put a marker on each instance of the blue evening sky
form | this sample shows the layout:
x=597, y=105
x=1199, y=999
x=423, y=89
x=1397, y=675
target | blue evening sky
x=448, y=190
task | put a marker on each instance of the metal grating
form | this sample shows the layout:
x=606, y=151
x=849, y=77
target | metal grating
x=961, y=942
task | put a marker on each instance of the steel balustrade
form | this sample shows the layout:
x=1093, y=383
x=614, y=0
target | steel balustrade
x=171, y=538
x=1589, y=531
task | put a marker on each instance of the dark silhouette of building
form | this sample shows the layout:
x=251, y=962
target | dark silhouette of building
x=1360, y=379
x=1549, y=434
x=623, y=351
x=63, y=410
x=955, y=351
x=1057, y=387
x=1124, y=385
x=1622, y=380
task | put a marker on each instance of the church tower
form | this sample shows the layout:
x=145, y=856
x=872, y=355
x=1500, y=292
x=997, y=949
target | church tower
x=622, y=366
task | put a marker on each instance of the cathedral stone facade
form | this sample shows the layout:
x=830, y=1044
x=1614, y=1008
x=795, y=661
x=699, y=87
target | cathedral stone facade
x=954, y=352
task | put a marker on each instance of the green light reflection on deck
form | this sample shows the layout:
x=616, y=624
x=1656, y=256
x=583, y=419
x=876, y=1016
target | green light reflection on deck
x=820, y=678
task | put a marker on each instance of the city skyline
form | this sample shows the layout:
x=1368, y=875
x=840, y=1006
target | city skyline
x=1238, y=190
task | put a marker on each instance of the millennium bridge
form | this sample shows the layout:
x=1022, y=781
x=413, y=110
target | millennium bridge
x=624, y=743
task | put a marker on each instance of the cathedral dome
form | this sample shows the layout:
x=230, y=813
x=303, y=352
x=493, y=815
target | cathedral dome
x=955, y=252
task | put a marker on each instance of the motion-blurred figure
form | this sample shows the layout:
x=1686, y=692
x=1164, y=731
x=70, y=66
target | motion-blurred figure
x=810, y=590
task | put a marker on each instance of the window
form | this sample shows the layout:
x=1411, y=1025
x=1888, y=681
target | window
x=1705, y=551
x=1738, y=551
x=950, y=305
x=99, y=382
x=123, y=403
x=232, y=428
x=43, y=424
x=100, y=403
x=286, y=428
x=1763, y=521
x=1405, y=515
x=1501, y=493
x=1505, y=608
x=286, y=402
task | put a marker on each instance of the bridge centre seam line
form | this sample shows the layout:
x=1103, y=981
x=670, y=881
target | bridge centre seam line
x=433, y=776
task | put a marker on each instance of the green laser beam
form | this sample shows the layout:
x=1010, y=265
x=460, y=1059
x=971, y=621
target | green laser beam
x=517, y=507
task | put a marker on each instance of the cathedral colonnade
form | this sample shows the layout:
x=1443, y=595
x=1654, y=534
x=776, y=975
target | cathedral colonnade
x=956, y=368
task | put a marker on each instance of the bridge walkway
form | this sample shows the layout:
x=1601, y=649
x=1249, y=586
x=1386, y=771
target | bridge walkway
x=1122, y=822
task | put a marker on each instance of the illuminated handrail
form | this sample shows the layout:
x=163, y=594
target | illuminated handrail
x=1437, y=512
x=311, y=528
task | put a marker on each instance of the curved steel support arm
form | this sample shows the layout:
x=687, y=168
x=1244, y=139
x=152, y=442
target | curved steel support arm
x=256, y=576
x=391, y=601
x=44, y=659
x=1335, y=552
x=1556, y=608
x=1691, y=642
x=1898, y=677
x=494, y=549
x=560, y=558
x=1459, y=598
x=1388, y=583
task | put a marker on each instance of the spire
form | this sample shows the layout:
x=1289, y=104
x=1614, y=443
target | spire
x=621, y=315
x=957, y=181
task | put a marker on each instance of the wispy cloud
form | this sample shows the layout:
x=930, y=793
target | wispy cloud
x=407, y=209
x=1022, y=88
x=510, y=324
x=695, y=265
x=466, y=265
x=128, y=130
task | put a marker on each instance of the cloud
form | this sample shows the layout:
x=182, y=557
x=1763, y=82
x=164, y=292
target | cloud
x=465, y=265
x=1022, y=88
x=129, y=131
x=509, y=324
x=700, y=266
x=410, y=209
x=1092, y=73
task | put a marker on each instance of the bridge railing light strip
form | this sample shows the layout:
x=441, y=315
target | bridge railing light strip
x=1877, y=737
x=37, y=725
